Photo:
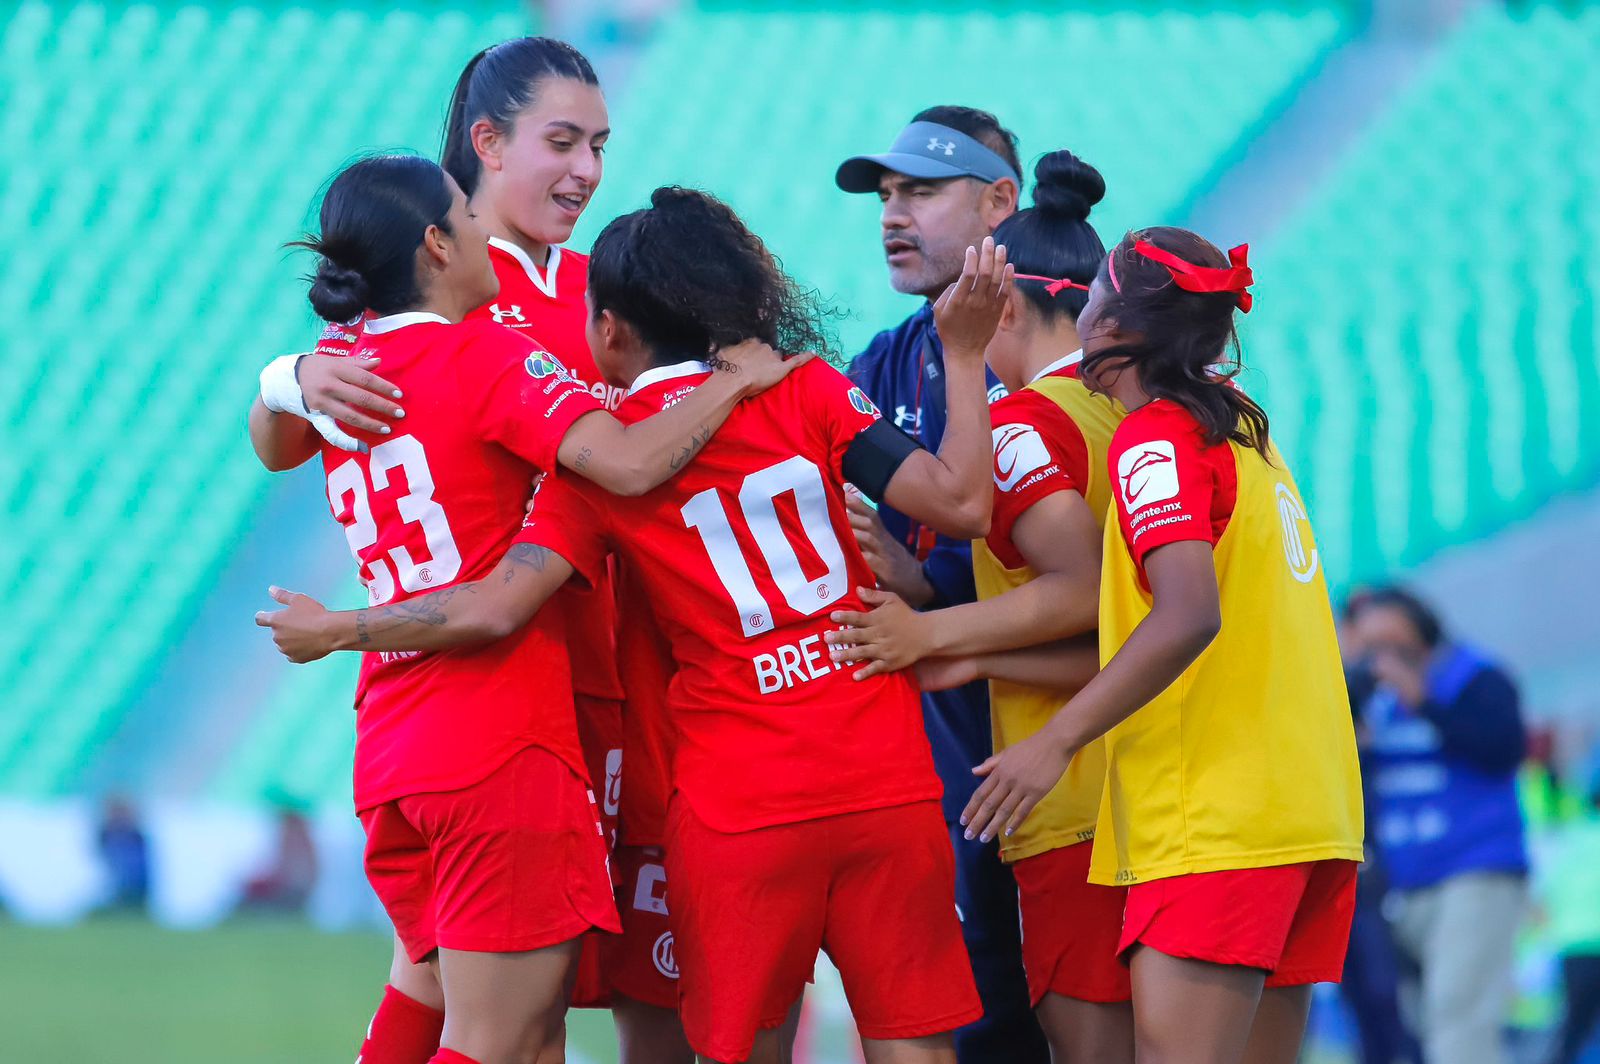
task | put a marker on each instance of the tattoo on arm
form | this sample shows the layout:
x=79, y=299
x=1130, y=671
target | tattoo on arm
x=525, y=555
x=582, y=460
x=700, y=438
x=427, y=609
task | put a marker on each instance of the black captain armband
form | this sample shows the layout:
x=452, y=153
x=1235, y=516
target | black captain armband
x=873, y=457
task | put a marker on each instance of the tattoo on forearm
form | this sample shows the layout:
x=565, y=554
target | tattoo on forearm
x=428, y=610
x=525, y=555
x=700, y=438
x=582, y=460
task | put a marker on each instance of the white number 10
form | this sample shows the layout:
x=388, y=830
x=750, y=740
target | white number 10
x=416, y=506
x=706, y=514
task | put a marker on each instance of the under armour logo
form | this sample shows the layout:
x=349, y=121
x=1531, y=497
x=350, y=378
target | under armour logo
x=513, y=313
x=948, y=146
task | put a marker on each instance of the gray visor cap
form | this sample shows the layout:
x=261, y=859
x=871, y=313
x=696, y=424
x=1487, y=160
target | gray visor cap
x=926, y=150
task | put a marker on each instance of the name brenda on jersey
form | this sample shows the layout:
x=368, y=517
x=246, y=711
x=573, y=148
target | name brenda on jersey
x=792, y=664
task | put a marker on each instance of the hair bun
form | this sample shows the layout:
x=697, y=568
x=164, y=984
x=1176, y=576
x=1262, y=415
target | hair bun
x=338, y=293
x=1066, y=186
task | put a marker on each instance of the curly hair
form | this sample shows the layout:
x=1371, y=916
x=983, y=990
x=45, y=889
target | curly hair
x=692, y=279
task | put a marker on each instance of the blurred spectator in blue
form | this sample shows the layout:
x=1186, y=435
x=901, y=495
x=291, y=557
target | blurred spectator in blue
x=1371, y=984
x=1444, y=737
x=125, y=852
x=1567, y=885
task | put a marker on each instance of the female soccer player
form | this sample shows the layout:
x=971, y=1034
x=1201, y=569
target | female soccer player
x=481, y=837
x=1233, y=806
x=805, y=812
x=1038, y=578
x=525, y=135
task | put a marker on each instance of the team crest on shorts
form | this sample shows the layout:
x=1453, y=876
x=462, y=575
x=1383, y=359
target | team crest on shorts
x=542, y=364
x=662, y=954
x=859, y=400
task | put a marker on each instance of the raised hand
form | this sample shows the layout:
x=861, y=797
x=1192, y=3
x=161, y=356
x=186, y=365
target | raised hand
x=968, y=312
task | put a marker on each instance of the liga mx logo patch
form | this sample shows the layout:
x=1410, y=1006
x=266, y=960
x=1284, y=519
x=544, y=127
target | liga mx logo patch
x=863, y=405
x=542, y=364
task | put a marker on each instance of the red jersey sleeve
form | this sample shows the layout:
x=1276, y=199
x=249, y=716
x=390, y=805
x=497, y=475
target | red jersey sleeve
x=1038, y=451
x=836, y=405
x=566, y=520
x=1170, y=486
x=340, y=338
x=523, y=397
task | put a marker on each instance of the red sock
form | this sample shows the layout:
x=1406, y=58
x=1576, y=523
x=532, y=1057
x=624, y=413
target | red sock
x=450, y=1056
x=403, y=1031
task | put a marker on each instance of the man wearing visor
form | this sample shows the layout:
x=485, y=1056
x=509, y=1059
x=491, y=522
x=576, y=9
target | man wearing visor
x=948, y=180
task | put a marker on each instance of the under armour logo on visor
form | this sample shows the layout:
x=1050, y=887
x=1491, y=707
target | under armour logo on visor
x=947, y=146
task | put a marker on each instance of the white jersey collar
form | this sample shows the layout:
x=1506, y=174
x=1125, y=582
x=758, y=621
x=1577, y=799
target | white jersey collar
x=544, y=281
x=391, y=322
x=1059, y=364
x=657, y=374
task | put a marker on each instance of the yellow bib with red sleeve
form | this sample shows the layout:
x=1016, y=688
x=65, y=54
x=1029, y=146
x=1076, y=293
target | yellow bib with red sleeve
x=1248, y=759
x=1023, y=451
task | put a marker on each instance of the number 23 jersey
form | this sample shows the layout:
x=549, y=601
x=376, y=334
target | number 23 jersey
x=437, y=503
x=743, y=556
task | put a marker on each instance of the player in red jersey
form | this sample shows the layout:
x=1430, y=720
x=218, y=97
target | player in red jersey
x=482, y=838
x=525, y=135
x=804, y=814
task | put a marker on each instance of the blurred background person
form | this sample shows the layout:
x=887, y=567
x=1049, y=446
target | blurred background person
x=284, y=883
x=1443, y=734
x=1567, y=888
x=125, y=856
x=950, y=177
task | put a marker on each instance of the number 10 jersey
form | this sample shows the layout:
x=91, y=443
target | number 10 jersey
x=743, y=556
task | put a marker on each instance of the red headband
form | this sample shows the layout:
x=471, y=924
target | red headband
x=1236, y=277
x=1053, y=285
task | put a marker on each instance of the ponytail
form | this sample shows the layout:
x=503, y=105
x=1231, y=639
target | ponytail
x=498, y=84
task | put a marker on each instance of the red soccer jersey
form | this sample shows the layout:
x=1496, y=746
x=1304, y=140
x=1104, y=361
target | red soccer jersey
x=547, y=305
x=1170, y=485
x=742, y=556
x=1038, y=451
x=649, y=737
x=436, y=505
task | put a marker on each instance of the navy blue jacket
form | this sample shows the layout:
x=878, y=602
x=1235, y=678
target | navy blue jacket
x=890, y=371
x=1444, y=774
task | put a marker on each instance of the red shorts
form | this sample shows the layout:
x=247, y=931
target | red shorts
x=750, y=910
x=1070, y=928
x=600, y=736
x=642, y=961
x=514, y=862
x=1292, y=921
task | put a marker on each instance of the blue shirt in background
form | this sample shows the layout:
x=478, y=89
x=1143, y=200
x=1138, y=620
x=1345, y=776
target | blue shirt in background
x=1443, y=774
